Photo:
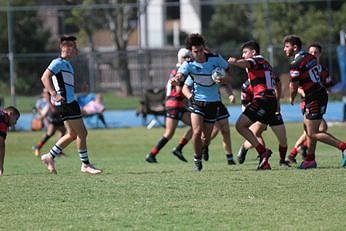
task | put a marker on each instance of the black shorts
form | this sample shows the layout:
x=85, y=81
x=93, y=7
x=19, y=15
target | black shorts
x=262, y=110
x=69, y=111
x=222, y=112
x=208, y=110
x=316, y=105
x=175, y=113
x=55, y=119
x=3, y=135
x=276, y=120
x=58, y=123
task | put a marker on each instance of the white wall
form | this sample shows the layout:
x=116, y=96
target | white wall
x=190, y=16
x=152, y=30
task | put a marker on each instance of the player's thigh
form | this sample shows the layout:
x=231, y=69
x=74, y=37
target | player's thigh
x=311, y=126
x=258, y=128
x=76, y=126
x=186, y=118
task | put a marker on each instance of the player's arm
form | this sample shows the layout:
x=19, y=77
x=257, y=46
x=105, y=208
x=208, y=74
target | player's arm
x=179, y=85
x=2, y=154
x=229, y=91
x=301, y=92
x=46, y=79
x=294, y=85
x=44, y=111
x=178, y=88
x=278, y=91
x=187, y=92
x=242, y=63
x=226, y=83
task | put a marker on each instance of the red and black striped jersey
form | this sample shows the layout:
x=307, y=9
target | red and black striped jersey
x=260, y=75
x=326, y=79
x=246, y=94
x=174, y=99
x=306, y=71
x=4, y=124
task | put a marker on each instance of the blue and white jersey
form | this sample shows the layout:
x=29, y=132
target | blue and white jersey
x=63, y=78
x=198, y=77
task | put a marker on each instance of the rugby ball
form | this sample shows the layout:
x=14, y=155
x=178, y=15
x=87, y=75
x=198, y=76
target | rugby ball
x=218, y=73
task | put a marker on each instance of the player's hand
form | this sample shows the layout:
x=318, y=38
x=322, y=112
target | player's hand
x=222, y=81
x=173, y=81
x=218, y=81
x=232, y=60
x=231, y=99
x=176, y=79
x=57, y=98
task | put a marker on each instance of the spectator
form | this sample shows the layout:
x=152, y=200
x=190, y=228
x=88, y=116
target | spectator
x=95, y=107
x=52, y=118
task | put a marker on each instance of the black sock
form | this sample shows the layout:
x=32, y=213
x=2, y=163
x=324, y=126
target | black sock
x=229, y=156
x=179, y=147
x=162, y=142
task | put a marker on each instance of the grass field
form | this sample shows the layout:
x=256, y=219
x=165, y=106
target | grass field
x=134, y=195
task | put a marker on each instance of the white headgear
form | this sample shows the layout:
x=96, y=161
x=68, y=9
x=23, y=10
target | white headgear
x=182, y=54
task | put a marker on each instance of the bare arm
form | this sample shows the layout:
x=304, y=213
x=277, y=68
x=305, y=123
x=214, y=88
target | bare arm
x=278, y=90
x=301, y=92
x=46, y=79
x=178, y=89
x=229, y=92
x=293, y=91
x=187, y=92
x=242, y=63
x=176, y=79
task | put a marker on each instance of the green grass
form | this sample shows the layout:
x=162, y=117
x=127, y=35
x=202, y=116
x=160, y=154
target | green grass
x=134, y=195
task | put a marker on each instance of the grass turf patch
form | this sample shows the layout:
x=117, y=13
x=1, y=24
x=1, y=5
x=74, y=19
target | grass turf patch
x=132, y=194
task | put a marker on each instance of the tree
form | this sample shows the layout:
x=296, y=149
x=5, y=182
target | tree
x=118, y=17
x=229, y=27
x=268, y=22
x=29, y=37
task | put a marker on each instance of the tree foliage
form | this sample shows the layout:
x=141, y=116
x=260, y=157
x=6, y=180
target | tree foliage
x=118, y=19
x=268, y=23
x=29, y=36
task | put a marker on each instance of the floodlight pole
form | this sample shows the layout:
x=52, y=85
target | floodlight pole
x=10, y=52
x=330, y=26
x=269, y=31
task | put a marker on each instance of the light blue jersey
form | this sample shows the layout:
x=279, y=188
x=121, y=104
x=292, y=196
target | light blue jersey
x=63, y=78
x=199, y=77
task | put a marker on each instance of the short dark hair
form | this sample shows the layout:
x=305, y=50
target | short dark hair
x=70, y=38
x=253, y=45
x=293, y=40
x=194, y=39
x=12, y=109
x=317, y=45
